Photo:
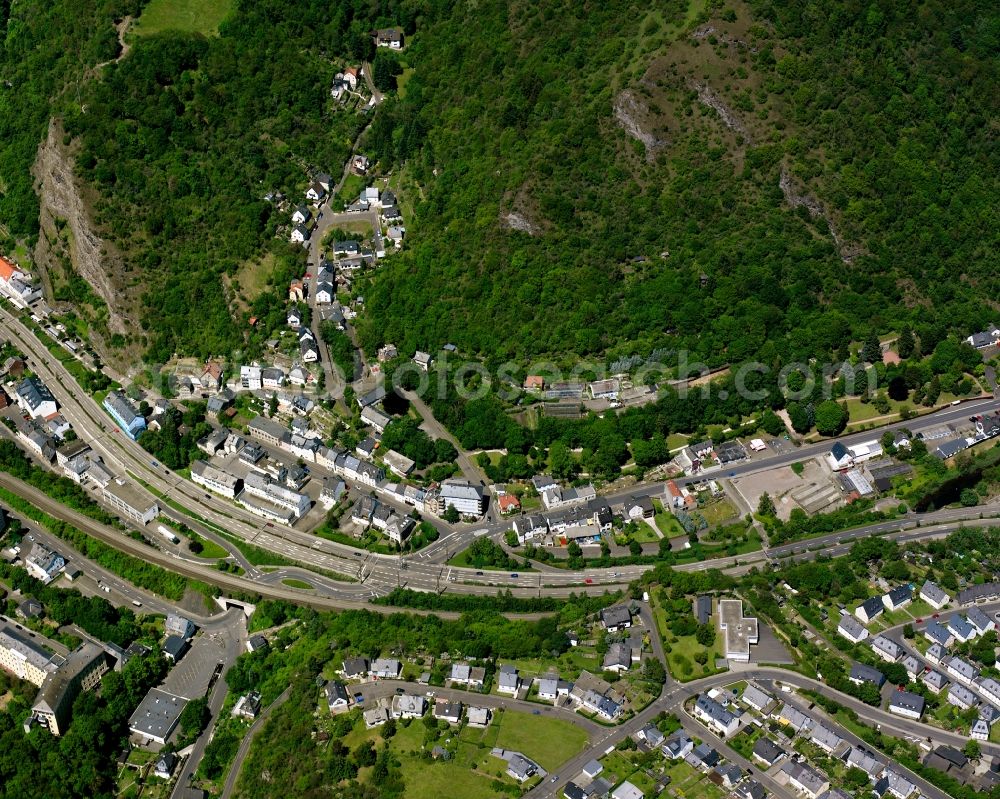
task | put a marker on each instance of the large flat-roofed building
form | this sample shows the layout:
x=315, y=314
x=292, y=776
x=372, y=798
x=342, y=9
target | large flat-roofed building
x=288, y=501
x=267, y=430
x=157, y=716
x=82, y=671
x=214, y=479
x=461, y=495
x=23, y=654
x=738, y=631
x=130, y=502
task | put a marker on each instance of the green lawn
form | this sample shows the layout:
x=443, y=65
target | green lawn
x=548, y=741
x=195, y=16
x=722, y=510
x=292, y=582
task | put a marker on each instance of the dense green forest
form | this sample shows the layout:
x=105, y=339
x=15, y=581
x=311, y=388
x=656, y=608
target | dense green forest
x=882, y=112
x=540, y=225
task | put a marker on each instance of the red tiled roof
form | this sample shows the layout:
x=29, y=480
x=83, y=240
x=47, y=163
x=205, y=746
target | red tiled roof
x=508, y=502
x=7, y=268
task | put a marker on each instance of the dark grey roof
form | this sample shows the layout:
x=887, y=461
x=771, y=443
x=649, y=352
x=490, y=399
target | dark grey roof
x=859, y=671
x=767, y=750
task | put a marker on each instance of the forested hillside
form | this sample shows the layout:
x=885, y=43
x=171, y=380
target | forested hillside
x=768, y=180
x=884, y=114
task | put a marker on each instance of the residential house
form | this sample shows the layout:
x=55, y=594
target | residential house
x=961, y=670
x=423, y=360
x=337, y=698
x=894, y=784
x=751, y=789
x=990, y=689
x=715, y=716
x=617, y=658
x=899, y=597
x=933, y=595
x=479, y=717
x=165, y=765
x=300, y=216
x=520, y=768
x=300, y=234
x=839, y=457
x=826, y=739
x=908, y=704
x=860, y=674
x=886, y=648
x=851, y=629
x=961, y=629
x=375, y=717
x=979, y=620
x=937, y=633
x=805, y=779
x=934, y=680
x=325, y=292
x=35, y=398
x=125, y=414
x=389, y=37
x=986, y=338
x=448, y=711
x=677, y=746
x=961, y=697
x=914, y=667
x=386, y=668
x=703, y=757
x=703, y=608
x=759, y=700
x=618, y=617
x=936, y=653
x=651, y=735
x=627, y=791
x=406, y=706
x=870, y=609
x=508, y=503
x=791, y=716
x=861, y=758
x=174, y=648
x=355, y=668
x=508, y=681
x=767, y=751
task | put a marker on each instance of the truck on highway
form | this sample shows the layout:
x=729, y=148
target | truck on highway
x=169, y=534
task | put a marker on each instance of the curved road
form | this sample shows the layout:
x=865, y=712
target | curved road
x=244, y=750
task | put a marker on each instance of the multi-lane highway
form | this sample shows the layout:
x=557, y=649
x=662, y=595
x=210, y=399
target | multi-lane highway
x=378, y=574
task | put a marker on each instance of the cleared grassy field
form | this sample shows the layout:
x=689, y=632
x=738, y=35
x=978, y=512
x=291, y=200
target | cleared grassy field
x=548, y=741
x=194, y=16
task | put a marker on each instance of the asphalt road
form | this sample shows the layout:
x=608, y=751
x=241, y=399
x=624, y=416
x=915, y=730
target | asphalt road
x=382, y=573
x=232, y=636
x=244, y=750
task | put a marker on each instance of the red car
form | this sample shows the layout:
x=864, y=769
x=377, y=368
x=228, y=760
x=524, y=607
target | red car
x=937, y=615
x=588, y=581
x=919, y=620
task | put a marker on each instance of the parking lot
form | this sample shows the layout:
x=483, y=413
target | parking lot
x=190, y=677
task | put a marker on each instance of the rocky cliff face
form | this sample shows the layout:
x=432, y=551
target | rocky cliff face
x=68, y=243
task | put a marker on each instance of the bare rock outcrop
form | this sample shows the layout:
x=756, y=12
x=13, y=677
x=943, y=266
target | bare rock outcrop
x=630, y=112
x=799, y=198
x=708, y=97
x=62, y=205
